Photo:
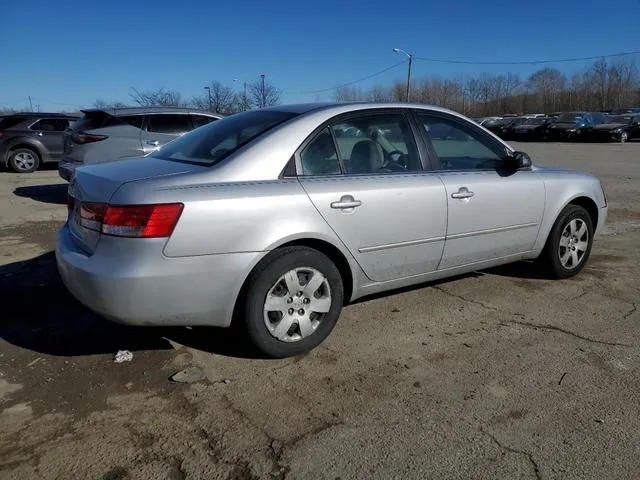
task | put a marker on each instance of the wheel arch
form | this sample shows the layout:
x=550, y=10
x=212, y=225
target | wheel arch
x=320, y=244
x=583, y=200
x=17, y=143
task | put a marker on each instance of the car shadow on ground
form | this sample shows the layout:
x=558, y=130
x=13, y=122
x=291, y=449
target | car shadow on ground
x=39, y=314
x=56, y=194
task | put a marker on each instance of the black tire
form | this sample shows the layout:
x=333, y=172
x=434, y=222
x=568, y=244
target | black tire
x=260, y=283
x=551, y=255
x=17, y=160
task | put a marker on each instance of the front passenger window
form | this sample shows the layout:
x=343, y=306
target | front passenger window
x=461, y=147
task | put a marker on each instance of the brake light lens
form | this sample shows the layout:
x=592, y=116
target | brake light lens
x=87, y=138
x=135, y=221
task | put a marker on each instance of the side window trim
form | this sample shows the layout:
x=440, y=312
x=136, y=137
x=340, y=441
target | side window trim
x=491, y=143
x=344, y=117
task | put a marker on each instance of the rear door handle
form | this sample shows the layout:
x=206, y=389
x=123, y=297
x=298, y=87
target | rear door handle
x=347, y=201
x=463, y=192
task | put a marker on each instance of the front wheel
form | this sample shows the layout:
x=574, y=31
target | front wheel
x=293, y=300
x=624, y=136
x=569, y=243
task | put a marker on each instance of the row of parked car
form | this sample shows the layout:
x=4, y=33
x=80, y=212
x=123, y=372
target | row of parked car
x=618, y=125
x=28, y=140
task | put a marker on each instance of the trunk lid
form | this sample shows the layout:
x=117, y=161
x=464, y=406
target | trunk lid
x=98, y=183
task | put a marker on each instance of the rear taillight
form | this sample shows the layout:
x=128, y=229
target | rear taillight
x=137, y=221
x=86, y=137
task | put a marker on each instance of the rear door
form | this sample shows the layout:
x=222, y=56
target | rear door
x=492, y=212
x=50, y=132
x=161, y=128
x=364, y=175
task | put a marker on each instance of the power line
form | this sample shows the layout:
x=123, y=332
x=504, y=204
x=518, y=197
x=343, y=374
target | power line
x=527, y=62
x=321, y=90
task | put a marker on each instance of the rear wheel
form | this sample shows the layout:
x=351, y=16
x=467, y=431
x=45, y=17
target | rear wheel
x=569, y=243
x=23, y=160
x=293, y=301
x=624, y=136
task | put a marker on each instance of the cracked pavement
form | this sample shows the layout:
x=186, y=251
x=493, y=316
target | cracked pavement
x=497, y=375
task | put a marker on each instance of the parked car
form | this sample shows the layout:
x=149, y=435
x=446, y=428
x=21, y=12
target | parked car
x=27, y=140
x=618, y=128
x=267, y=219
x=573, y=125
x=487, y=120
x=503, y=126
x=624, y=111
x=532, y=130
x=105, y=135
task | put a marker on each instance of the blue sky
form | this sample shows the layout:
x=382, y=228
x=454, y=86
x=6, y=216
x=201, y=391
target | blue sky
x=69, y=53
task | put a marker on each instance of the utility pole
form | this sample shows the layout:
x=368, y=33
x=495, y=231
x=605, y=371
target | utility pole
x=410, y=57
x=30, y=103
x=264, y=100
x=208, y=89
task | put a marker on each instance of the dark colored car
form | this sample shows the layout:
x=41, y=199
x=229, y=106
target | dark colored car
x=624, y=111
x=504, y=126
x=572, y=126
x=531, y=130
x=27, y=140
x=618, y=128
x=106, y=135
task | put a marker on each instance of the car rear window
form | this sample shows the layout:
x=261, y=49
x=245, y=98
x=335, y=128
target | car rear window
x=8, y=122
x=213, y=142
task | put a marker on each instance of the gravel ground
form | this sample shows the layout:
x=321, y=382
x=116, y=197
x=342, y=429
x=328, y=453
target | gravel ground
x=499, y=374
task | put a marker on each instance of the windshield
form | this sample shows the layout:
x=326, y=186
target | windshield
x=568, y=117
x=213, y=142
x=619, y=119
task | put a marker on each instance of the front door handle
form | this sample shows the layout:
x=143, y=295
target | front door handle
x=347, y=201
x=463, y=192
x=154, y=143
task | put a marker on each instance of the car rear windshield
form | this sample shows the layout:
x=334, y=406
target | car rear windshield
x=215, y=141
x=8, y=122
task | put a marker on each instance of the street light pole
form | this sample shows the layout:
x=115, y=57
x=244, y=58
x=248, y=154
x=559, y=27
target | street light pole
x=264, y=100
x=208, y=89
x=410, y=57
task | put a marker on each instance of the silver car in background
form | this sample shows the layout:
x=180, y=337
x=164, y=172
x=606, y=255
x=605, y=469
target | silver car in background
x=277, y=218
x=105, y=135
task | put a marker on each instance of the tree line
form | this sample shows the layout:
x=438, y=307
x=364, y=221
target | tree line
x=604, y=85
x=217, y=98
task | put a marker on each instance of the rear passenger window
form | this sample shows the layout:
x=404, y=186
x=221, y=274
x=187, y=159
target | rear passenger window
x=50, y=125
x=200, y=120
x=173, y=124
x=133, y=120
x=320, y=156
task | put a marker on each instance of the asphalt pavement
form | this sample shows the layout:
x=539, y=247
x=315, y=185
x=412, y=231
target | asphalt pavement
x=501, y=374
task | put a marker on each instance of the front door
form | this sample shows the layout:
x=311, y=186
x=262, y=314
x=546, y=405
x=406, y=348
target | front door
x=492, y=213
x=365, y=177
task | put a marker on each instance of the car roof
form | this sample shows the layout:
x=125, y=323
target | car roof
x=40, y=115
x=116, y=112
x=344, y=107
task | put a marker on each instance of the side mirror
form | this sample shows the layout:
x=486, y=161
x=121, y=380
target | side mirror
x=517, y=160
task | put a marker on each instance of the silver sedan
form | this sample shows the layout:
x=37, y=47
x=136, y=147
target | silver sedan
x=277, y=218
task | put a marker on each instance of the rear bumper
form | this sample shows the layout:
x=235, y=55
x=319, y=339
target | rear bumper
x=130, y=281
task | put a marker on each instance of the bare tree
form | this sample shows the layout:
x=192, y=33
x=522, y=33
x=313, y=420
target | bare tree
x=218, y=98
x=263, y=94
x=156, y=98
x=379, y=93
x=100, y=103
x=348, y=94
x=547, y=84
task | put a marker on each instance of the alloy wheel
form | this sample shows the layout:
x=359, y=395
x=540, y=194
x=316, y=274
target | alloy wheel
x=573, y=244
